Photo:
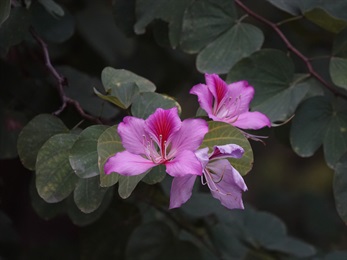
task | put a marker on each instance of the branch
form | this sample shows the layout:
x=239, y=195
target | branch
x=62, y=82
x=290, y=47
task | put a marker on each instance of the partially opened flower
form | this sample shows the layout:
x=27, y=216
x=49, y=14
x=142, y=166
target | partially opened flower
x=160, y=139
x=229, y=103
x=224, y=181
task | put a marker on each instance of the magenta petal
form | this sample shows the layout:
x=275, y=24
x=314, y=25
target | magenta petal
x=190, y=136
x=185, y=163
x=162, y=124
x=227, y=151
x=181, y=190
x=205, y=97
x=217, y=86
x=252, y=120
x=227, y=185
x=242, y=95
x=131, y=132
x=127, y=164
x=202, y=155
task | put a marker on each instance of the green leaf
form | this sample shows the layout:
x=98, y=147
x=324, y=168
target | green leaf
x=146, y=103
x=221, y=133
x=155, y=241
x=52, y=7
x=127, y=184
x=55, y=179
x=320, y=121
x=55, y=29
x=170, y=11
x=109, y=144
x=204, y=21
x=34, y=135
x=5, y=8
x=45, y=210
x=293, y=247
x=157, y=174
x=277, y=90
x=221, y=54
x=338, y=61
x=340, y=187
x=88, y=194
x=82, y=219
x=124, y=85
x=83, y=154
x=290, y=6
x=14, y=29
x=325, y=20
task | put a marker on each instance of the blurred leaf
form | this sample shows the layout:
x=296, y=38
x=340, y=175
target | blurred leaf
x=340, y=187
x=52, y=28
x=204, y=21
x=325, y=20
x=170, y=11
x=157, y=174
x=221, y=54
x=338, y=61
x=55, y=179
x=146, y=103
x=14, y=29
x=337, y=255
x=88, y=194
x=83, y=154
x=220, y=134
x=290, y=6
x=124, y=85
x=34, y=135
x=52, y=7
x=82, y=219
x=155, y=241
x=277, y=90
x=11, y=123
x=80, y=88
x=5, y=8
x=124, y=15
x=42, y=208
x=127, y=184
x=320, y=121
x=109, y=144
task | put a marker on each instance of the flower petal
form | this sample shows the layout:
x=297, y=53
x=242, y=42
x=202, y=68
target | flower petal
x=205, y=97
x=181, y=190
x=131, y=132
x=252, y=120
x=189, y=137
x=127, y=164
x=162, y=124
x=217, y=86
x=185, y=163
x=227, y=151
x=241, y=94
x=227, y=185
x=202, y=155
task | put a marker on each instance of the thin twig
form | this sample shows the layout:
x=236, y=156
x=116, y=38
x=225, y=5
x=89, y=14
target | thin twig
x=290, y=47
x=61, y=82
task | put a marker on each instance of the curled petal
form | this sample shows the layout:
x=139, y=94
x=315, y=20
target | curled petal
x=205, y=97
x=127, y=164
x=226, y=184
x=202, y=155
x=181, y=190
x=252, y=120
x=190, y=136
x=185, y=163
x=131, y=132
x=162, y=124
x=227, y=151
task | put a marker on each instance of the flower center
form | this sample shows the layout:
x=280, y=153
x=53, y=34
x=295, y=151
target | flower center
x=154, y=151
x=229, y=108
x=211, y=182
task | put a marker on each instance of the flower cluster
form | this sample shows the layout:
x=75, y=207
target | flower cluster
x=164, y=139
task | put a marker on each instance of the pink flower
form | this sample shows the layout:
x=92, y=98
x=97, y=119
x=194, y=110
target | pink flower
x=229, y=103
x=224, y=181
x=160, y=139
